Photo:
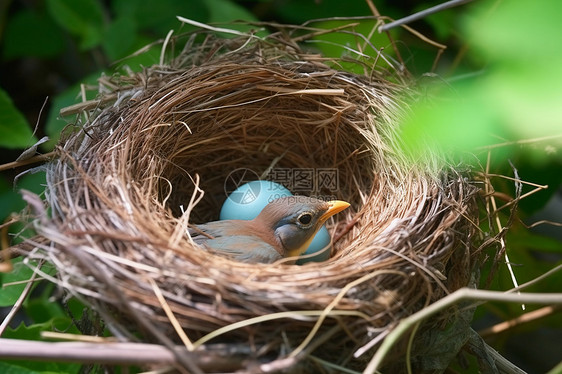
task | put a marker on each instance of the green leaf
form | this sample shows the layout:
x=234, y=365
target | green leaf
x=82, y=18
x=516, y=98
x=77, y=309
x=44, y=39
x=227, y=11
x=14, y=128
x=29, y=367
x=126, y=8
x=160, y=17
x=14, y=282
x=41, y=309
x=10, y=198
x=452, y=124
x=55, y=123
x=443, y=22
x=524, y=64
x=500, y=35
x=12, y=368
x=526, y=100
x=119, y=38
x=139, y=61
x=33, y=332
x=535, y=242
x=298, y=11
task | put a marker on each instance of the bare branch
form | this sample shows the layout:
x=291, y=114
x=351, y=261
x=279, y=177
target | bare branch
x=106, y=353
x=115, y=353
x=31, y=160
x=449, y=300
x=422, y=14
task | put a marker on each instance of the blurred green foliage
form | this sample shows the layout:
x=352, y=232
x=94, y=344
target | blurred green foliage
x=515, y=98
x=498, y=81
x=14, y=128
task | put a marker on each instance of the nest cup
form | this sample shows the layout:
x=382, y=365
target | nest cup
x=158, y=152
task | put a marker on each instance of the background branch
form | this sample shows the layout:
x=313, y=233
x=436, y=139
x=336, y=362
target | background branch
x=114, y=353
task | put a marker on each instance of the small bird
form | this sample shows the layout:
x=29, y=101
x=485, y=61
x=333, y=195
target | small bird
x=284, y=228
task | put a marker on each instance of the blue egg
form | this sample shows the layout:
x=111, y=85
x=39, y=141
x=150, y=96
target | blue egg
x=321, y=240
x=248, y=200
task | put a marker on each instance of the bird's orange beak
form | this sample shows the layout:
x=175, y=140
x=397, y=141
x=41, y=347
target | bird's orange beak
x=336, y=206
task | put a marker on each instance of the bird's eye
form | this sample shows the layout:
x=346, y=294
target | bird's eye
x=305, y=218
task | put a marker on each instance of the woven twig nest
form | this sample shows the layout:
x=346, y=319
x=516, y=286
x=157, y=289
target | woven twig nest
x=154, y=154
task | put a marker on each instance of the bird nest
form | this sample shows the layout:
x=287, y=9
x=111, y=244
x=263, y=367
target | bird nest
x=160, y=149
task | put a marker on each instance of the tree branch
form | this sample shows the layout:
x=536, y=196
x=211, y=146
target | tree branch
x=116, y=353
x=449, y=300
x=422, y=14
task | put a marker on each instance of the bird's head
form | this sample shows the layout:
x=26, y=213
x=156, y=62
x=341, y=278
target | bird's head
x=296, y=219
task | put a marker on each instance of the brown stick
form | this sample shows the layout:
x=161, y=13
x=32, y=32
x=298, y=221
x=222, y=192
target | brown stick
x=104, y=353
x=32, y=160
x=112, y=353
x=522, y=319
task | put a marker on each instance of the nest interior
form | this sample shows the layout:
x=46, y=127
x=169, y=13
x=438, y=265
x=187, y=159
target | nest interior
x=142, y=166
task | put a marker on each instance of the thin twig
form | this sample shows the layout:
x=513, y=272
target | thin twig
x=322, y=32
x=424, y=38
x=329, y=309
x=522, y=141
x=170, y=314
x=504, y=365
x=32, y=160
x=76, y=338
x=211, y=28
x=87, y=105
x=377, y=14
x=447, y=301
x=525, y=318
x=164, y=45
x=422, y=14
x=330, y=365
x=543, y=222
x=515, y=202
x=18, y=303
x=297, y=314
